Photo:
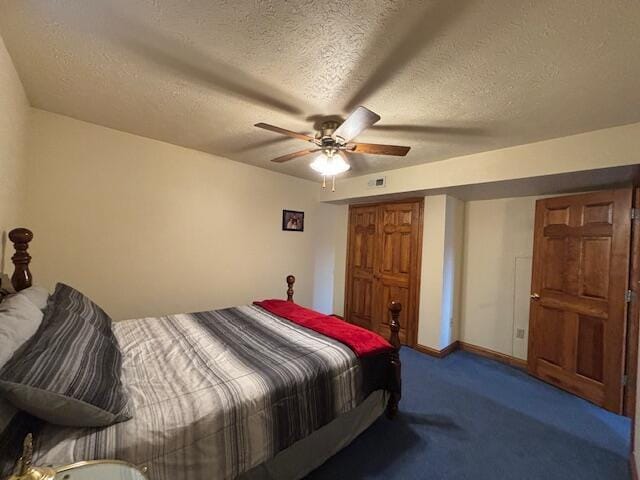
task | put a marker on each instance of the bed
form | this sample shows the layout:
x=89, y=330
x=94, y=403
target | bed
x=259, y=391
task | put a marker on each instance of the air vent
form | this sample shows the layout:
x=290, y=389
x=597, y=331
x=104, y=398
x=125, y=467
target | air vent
x=379, y=182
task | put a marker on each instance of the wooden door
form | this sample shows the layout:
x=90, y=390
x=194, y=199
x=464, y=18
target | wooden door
x=633, y=314
x=578, y=300
x=397, y=266
x=383, y=264
x=360, y=275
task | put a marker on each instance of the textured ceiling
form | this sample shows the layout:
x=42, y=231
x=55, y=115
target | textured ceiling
x=448, y=77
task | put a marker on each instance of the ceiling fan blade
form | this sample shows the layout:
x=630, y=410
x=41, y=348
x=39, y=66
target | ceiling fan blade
x=291, y=156
x=378, y=149
x=359, y=120
x=284, y=131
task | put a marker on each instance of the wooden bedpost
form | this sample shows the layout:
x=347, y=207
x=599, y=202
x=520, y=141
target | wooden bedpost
x=21, y=277
x=290, y=281
x=396, y=365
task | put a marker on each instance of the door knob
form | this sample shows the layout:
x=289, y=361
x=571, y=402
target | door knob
x=535, y=296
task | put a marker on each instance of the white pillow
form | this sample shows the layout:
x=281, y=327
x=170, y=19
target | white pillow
x=19, y=320
x=37, y=295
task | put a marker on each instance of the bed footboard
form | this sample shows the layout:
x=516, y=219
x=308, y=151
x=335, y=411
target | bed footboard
x=394, y=338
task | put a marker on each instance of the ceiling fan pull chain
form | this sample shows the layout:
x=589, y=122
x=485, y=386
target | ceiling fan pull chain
x=333, y=183
x=324, y=181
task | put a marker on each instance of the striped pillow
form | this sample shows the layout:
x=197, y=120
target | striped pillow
x=70, y=299
x=68, y=373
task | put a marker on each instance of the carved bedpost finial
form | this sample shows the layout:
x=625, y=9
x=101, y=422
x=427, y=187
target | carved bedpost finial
x=396, y=391
x=27, y=453
x=21, y=278
x=290, y=281
x=24, y=470
x=394, y=324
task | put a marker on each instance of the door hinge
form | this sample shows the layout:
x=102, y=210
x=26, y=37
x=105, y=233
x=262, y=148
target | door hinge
x=635, y=213
x=628, y=296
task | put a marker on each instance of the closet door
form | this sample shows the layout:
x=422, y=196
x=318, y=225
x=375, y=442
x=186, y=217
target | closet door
x=359, y=301
x=383, y=264
x=397, y=269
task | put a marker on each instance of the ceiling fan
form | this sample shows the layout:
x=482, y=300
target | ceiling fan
x=334, y=141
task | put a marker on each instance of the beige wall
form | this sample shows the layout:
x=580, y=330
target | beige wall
x=453, y=261
x=148, y=228
x=442, y=241
x=431, y=274
x=498, y=247
x=330, y=259
x=340, y=266
x=13, y=131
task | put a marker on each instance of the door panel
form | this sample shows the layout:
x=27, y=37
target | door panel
x=383, y=264
x=590, y=348
x=360, y=288
x=596, y=253
x=556, y=252
x=552, y=327
x=557, y=215
x=579, y=281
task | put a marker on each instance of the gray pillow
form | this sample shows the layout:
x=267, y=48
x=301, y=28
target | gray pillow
x=37, y=295
x=19, y=320
x=7, y=412
x=69, y=372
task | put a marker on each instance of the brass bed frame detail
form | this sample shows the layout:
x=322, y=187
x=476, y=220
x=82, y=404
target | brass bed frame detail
x=22, y=279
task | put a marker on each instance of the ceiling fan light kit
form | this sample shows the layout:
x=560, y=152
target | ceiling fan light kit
x=329, y=164
x=334, y=141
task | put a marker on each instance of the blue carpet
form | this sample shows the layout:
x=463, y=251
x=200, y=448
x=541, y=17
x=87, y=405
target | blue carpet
x=467, y=417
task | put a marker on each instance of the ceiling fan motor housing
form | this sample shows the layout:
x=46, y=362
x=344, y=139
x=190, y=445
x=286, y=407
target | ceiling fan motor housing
x=326, y=131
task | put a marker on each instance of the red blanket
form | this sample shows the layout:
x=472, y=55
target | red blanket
x=362, y=341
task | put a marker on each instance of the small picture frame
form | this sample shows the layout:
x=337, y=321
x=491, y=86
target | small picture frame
x=292, y=221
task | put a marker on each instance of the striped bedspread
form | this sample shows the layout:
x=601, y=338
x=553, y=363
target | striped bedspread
x=215, y=394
